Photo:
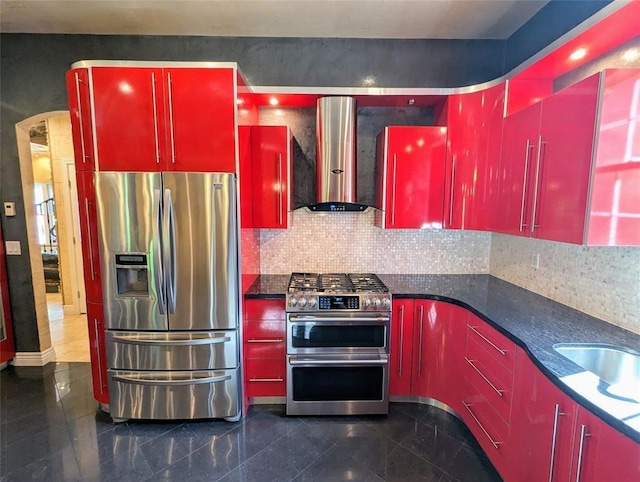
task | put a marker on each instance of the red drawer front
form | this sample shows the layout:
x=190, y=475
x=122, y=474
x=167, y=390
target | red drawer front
x=265, y=377
x=265, y=348
x=264, y=310
x=490, y=377
x=500, y=347
x=264, y=329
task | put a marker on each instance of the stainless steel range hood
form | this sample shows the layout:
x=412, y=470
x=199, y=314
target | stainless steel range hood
x=336, y=155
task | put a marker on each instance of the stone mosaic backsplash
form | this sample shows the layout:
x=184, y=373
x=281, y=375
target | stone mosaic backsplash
x=601, y=281
x=349, y=242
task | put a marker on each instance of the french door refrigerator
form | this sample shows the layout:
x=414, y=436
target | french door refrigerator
x=169, y=257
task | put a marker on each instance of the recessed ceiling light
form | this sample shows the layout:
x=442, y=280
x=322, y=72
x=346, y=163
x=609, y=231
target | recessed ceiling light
x=578, y=54
x=631, y=55
x=273, y=101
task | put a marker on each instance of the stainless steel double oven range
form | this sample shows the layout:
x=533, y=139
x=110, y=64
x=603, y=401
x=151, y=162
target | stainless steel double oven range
x=338, y=329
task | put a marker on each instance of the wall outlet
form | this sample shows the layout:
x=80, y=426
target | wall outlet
x=9, y=209
x=535, y=260
x=13, y=248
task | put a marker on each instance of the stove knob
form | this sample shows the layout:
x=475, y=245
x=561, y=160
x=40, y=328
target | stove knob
x=312, y=302
x=386, y=303
x=302, y=302
x=367, y=302
x=375, y=302
x=293, y=302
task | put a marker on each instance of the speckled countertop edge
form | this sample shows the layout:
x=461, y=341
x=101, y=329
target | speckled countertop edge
x=533, y=322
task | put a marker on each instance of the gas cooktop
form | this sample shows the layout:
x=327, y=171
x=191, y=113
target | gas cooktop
x=336, y=283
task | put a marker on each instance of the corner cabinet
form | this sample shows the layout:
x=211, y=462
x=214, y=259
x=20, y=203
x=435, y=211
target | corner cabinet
x=569, y=164
x=130, y=117
x=410, y=165
x=271, y=172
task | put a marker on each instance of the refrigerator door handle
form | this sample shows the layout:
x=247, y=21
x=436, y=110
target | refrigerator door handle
x=158, y=274
x=187, y=381
x=169, y=247
x=137, y=340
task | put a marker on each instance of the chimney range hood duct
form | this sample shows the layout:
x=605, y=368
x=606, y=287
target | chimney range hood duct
x=336, y=155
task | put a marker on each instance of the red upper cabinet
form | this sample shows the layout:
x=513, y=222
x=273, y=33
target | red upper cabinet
x=475, y=130
x=80, y=110
x=412, y=164
x=155, y=118
x=271, y=176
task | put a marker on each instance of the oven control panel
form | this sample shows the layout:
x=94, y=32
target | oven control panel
x=360, y=302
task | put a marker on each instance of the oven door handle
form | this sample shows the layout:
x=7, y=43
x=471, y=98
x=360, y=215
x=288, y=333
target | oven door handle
x=380, y=319
x=294, y=360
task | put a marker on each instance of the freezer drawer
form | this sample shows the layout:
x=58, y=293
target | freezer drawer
x=173, y=395
x=127, y=350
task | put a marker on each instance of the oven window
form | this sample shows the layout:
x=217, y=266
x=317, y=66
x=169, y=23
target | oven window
x=337, y=383
x=325, y=336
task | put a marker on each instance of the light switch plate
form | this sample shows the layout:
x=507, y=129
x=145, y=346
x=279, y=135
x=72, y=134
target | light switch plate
x=13, y=248
x=9, y=209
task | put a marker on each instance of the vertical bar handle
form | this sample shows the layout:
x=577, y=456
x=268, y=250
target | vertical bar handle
x=420, y=341
x=400, y=355
x=393, y=190
x=556, y=415
x=89, y=240
x=78, y=100
x=452, y=190
x=169, y=237
x=535, y=192
x=524, y=185
x=583, y=435
x=155, y=116
x=280, y=201
x=171, y=125
x=97, y=333
x=158, y=271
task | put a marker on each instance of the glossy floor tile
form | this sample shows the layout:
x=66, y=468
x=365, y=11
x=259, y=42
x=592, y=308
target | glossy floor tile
x=69, y=335
x=52, y=429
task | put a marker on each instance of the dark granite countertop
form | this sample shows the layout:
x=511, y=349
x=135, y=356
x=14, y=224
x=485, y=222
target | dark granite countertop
x=533, y=322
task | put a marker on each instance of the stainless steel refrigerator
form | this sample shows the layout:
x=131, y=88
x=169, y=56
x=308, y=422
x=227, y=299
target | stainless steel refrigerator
x=169, y=257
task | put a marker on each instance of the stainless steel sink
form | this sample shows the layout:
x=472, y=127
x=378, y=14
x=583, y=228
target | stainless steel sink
x=617, y=366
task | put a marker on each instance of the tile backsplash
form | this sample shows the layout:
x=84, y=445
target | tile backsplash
x=601, y=281
x=349, y=242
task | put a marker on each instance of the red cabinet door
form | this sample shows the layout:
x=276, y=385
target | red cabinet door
x=414, y=196
x=542, y=423
x=271, y=172
x=7, y=346
x=567, y=130
x=80, y=110
x=129, y=118
x=89, y=236
x=95, y=318
x=456, y=130
x=400, y=356
x=420, y=364
x=443, y=351
x=517, y=167
x=200, y=131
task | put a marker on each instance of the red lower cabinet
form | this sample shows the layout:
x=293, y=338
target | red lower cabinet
x=95, y=318
x=400, y=352
x=264, y=348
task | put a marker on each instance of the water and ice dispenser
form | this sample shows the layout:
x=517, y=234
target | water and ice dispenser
x=132, y=275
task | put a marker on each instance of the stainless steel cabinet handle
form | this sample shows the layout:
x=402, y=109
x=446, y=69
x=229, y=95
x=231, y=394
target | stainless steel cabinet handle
x=535, y=191
x=452, y=190
x=341, y=320
x=583, y=435
x=98, y=354
x=280, y=203
x=189, y=381
x=495, y=444
x=265, y=340
x=557, y=414
x=524, y=185
x=266, y=379
x=138, y=340
x=393, y=191
x=495, y=389
x=420, y=342
x=171, y=125
x=169, y=246
x=158, y=273
x=494, y=346
x=84, y=154
x=401, y=341
x=155, y=116
x=89, y=240
x=336, y=362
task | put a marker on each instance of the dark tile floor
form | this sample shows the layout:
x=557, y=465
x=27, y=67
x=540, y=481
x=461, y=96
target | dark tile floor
x=52, y=430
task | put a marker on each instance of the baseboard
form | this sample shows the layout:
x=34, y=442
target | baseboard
x=70, y=310
x=34, y=358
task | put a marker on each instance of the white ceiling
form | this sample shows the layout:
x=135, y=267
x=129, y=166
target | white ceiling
x=443, y=19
